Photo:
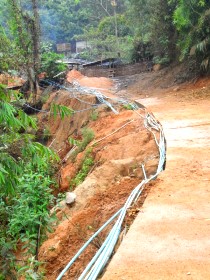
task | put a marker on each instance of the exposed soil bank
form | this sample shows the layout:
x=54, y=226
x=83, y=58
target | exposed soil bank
x=121, y=145
x=169, y=238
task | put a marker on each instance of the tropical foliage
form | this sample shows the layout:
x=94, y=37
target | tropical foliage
x=192, y=21
x=158, y=30
x=170, y=29
x=25, y=189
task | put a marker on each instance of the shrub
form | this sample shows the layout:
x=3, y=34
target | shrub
x=87, y=162
x=51, y=64
x=88, y=136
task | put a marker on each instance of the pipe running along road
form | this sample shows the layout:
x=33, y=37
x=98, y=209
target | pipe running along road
x=102, y=256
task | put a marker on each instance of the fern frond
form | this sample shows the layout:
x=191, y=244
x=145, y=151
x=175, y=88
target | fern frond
x=26, y=120
x=9, y=170
x=60, y=110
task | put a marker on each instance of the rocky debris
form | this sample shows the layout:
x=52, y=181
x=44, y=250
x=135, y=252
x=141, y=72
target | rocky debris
x=70, y=198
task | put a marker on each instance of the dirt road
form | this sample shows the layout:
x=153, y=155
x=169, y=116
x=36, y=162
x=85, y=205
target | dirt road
x=170, y=237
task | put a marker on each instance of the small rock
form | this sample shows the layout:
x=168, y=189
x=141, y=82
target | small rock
x=188, y=273
x=70, y=198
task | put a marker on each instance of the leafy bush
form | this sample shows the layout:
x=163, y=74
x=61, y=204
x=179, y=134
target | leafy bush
x=192, y=22
x=87, y=162
x=161, y=60
x=128, y=106
x=25, y=194
x=52, y=64
x=61, y=110
x=94, y=115
x=88, y=136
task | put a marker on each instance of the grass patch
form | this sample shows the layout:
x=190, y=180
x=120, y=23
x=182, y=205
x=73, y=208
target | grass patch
x=94, y=116
x=88, y=136
x=87, y=163
x=128, y=106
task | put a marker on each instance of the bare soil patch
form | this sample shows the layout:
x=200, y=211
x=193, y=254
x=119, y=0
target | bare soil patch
x=91, y=82
x=11, y=81
x=120, y=146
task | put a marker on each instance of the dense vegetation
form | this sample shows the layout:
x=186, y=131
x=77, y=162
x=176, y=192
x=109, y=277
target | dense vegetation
x=25, y=193
x=27, y=170
x=158, y=30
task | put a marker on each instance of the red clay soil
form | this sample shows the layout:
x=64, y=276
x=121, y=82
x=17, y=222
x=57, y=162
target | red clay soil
x=11, y=81
x=170, y=236
x=95, y=203
x=91, y=82
x=61, y=130
x=72, y=233
x=116, y=171
x=115, y=146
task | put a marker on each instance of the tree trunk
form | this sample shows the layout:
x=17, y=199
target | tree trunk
x=36, y=46
x=28, y=29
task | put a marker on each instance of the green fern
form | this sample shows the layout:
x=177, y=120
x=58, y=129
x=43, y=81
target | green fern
x=192, y=22
x=9, y=172
x=60, y=110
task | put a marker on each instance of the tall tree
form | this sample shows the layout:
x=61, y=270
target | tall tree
x=108, y=31
x=154, y=32
x=61, y=20
x=26, y=32
x=35, y=34
x=192, y=20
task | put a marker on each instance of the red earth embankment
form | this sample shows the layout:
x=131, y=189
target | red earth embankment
x=121, y=144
